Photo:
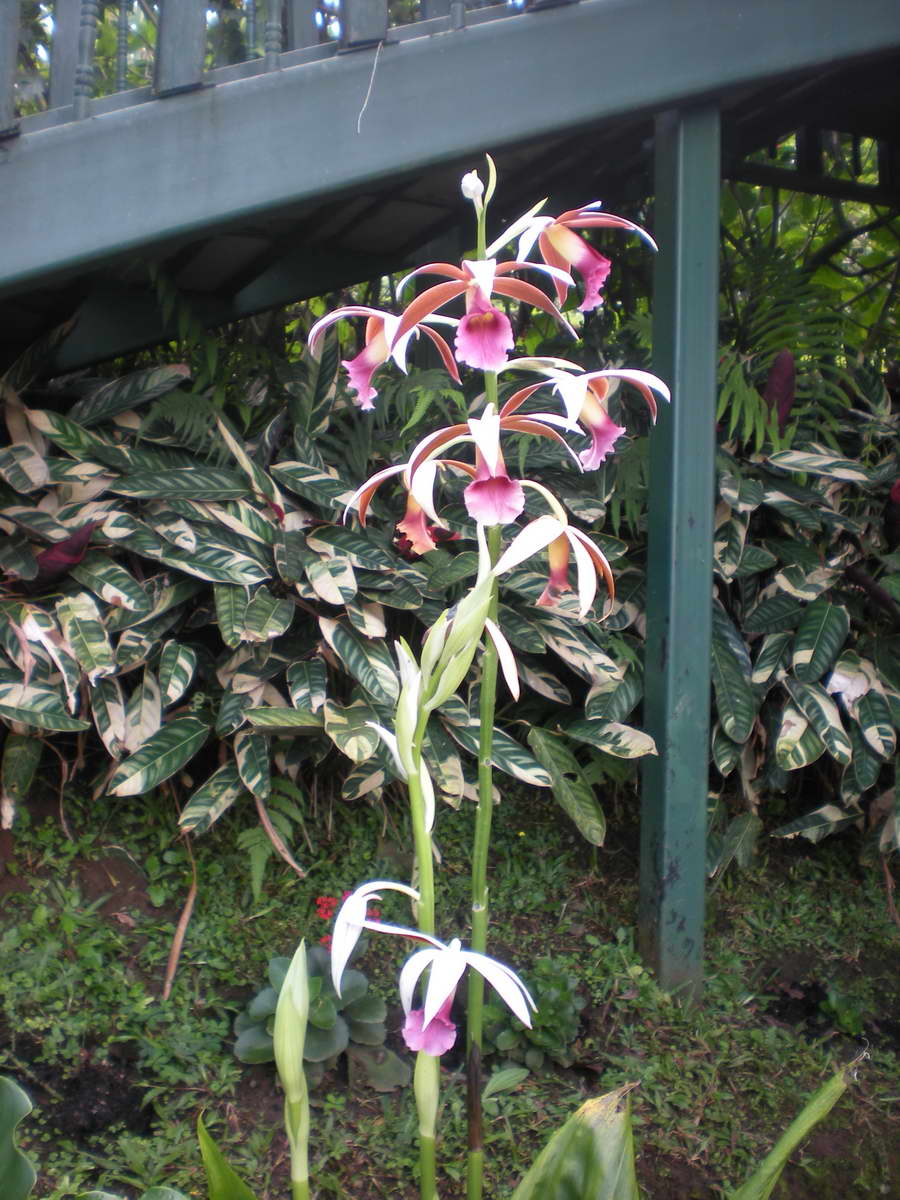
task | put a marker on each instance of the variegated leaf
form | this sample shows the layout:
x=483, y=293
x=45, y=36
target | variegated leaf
x=284, y=720
x=507, y=754
x=798, y=743
x=111, y=583
x=307, y=683
x=819, y=639
x=772, y=657
x=133, y=649
x=615, y=704
x=177, y=664
x=819, y=823
x=444, y=764
x=819, y=461
x=166, y=752
x=726, y=753
x=77, y=441
x=753, y=560
x=143, y=713
x=738, y=843
x=51, y=717
x=368, y=662
x=391, y=590
x=247, y=522
x=39, y=626
x=520, y=631
x=198, y=482
x=23, y=468
x=108, y=708
x=575, y=648
x=129, y=391
x=327, y=539
x=368, y=619
x=872, y=713
x=214, y=564
x=734, y=697
x=774, y=613
x=313, y=484
x=79, y=619
x=349, y=729
x=822, y=713
x=175, y=529
x=17, y=558
x=211, y=799
x=622, y=741
x=232, y=712
x=36, y=522
x=461, y=566
x=363, y=780
x=123, y=528
x=729, y=546
x=251, y=753
x=231, y=606
x=803, y=584
x=544, y=682
x=863, y=770
x=570, y=789
x=267, y=616
x=262, y=485
x=332, y=579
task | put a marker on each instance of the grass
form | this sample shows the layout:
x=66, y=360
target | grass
x=84, y=1027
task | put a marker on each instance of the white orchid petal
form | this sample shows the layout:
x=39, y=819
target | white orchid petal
x=427, y=796
x=482, y=271
x=351, y=920
x=554, y=272
x=521, y=225
x=534, y=537
x=376, y=479
x=391, y=742
x=651, y=381
x=421, y=487
x=398, y=354
x=505, y=982
x=587, y=575
x=505, y=656
x=486, y=435
x=412, y=970
x=447, y=968
x=353, y=310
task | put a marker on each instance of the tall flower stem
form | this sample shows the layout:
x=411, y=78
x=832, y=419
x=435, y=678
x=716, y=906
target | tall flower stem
x=428, y=1067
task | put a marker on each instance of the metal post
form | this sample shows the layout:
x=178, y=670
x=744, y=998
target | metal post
x=180, y=46
x=84, y=70
x=64, y=52
x=682, y=458
x=122, y=46
x=9, y=43
x=274, y=36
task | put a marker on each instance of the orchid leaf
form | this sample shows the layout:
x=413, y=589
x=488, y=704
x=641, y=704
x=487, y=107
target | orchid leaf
x=17, y=1175
x=222, y=1181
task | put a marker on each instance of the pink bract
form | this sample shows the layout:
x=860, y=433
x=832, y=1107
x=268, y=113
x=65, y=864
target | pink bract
x=435, y=1038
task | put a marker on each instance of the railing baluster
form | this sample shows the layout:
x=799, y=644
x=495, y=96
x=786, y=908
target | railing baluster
x=273, y=33
x=9, y=43
x=122, y=46
x=250, y=9
x=64, y=52
x=363, y=23
x=84, y=70
x=180, y=46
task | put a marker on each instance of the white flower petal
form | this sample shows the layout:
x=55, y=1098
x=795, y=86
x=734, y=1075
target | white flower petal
x=505, y=656
x=391, y=742
x=447, y=969
x=412, y=970
x=485, y=433
x=505, y=982
x=351, y=920
x=353, y=310
x=534, y=537
x=427, y=795
x=482, y=271
x=421, y=487
x=587, y=575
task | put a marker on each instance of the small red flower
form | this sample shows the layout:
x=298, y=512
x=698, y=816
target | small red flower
x=326, y=907
x=325, y=941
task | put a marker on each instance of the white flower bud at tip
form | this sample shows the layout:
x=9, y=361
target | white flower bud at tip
x=472, y=188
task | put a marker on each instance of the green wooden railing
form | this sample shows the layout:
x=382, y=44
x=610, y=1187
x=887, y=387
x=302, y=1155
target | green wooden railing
x=151, y=50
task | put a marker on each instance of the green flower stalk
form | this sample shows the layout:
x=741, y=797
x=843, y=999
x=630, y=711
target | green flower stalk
x=290, y=1037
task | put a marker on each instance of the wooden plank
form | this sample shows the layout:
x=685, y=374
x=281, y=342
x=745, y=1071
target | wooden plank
x=180, y=47
x=64, y=52
x=680, y=549
x=271, y=142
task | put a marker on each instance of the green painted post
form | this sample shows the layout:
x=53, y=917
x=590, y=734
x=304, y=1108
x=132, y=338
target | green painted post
x=682, y=458
x=9, y=41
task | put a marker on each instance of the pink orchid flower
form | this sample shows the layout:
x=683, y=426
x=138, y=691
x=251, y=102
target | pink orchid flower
x=584, y=395
x=382, y=343
x=564, y=249
x=484, y=335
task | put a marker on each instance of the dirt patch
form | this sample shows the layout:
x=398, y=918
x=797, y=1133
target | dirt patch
x=664, y=1176
x=120, y=881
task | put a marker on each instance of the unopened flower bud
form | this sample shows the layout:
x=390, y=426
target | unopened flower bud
x=472, y=188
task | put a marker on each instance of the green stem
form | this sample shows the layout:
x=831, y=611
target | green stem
x=426, y=1084
x=480, y=894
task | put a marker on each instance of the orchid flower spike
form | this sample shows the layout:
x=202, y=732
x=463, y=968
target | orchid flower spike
x=382, y=343
x=352, y=920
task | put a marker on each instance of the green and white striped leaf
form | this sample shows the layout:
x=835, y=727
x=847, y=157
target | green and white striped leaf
x=367, y=662
x=819, y=639
x=629, y=603
x=260, y=482
x=38, y=706
x=290, y=553
x=77, y=441
x=570, y=789
x=211, y=799
x=822, y=713
x=735, y=699
x=367, y=619
x=359, y=549
x=313, y=484
x=17, y=558
x=214, y=564
x=133, y=649
x=622, y=741
x=772, y=657
x=774, y=613
x=308, y=683
x=23, y=468
x=753, y=560
x=166, y=752
x=744, y=495
x=364, y=779
x=507, y=754
x=124, y=529
x=111, y=583
x=577, y=650
x=738, y=843
x=108, y=708
x=726, y=753
x=177, y=665
x=284, y=720
x=803, y=584
x=444, y=764
x=241, y=518
x=873, y=715
x=131, y=391
x=232, y=712
x=863, y=770
x=520, y=631
x=615, y=704
x=231, y=607
x=818, y=461
x=143, y=712
x=251, y=753
x=461, y=566
x=79, y=619
x=187, y=483
x=348, y=727
x=332, y=579
x=391, y=590
x=819, y=823
x=38, y=626
x=544, y=682
x=267, y=616
x=728, y=547
x=798, y=744
x=175, y=529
